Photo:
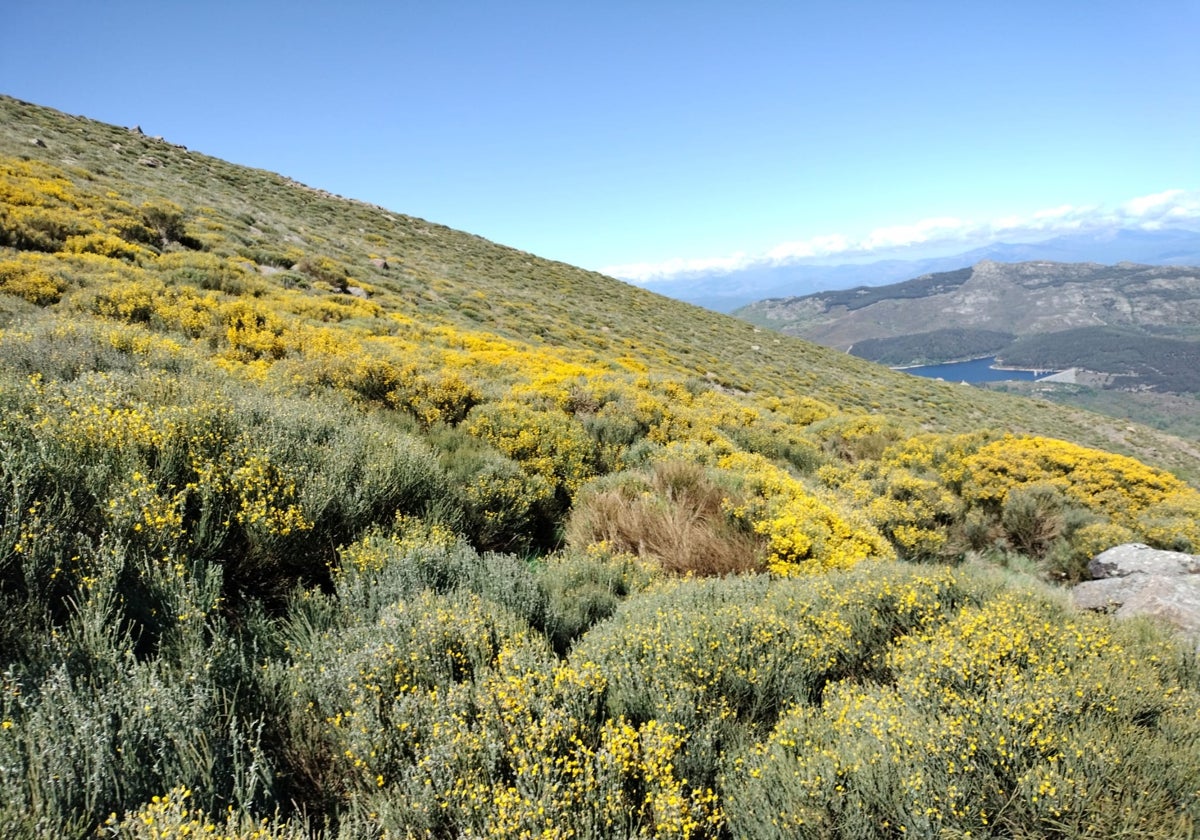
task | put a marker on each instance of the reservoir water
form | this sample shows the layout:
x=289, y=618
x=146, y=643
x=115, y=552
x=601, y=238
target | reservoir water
x=975, y=370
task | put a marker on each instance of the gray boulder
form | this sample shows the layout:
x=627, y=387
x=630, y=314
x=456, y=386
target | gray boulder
x=1136, y=558
x=1136, y=580
x=1107, y=595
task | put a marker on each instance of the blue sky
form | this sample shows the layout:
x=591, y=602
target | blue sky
x=647, y=137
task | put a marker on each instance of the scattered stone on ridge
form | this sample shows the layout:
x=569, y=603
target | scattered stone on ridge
x=380, y=263
x=357, y=291
x=39, y=142
x=152, y=162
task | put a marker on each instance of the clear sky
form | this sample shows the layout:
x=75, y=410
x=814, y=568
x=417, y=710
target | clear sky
x=641, y=136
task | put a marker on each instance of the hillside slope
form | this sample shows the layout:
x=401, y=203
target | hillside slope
x=322, y=521
x=438, y=276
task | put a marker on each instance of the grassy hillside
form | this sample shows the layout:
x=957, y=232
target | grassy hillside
x=320, y=519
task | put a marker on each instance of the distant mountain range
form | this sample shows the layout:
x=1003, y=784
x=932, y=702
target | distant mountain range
x=1137, y=324
x=726, y=291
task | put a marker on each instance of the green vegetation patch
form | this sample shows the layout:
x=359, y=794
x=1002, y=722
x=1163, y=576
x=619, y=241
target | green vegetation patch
x=934, y=347
x=1137, y=359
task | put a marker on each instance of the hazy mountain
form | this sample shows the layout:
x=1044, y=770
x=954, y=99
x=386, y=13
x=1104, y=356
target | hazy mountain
x=726, y=291
x=1018, y=298
x=1124, y=320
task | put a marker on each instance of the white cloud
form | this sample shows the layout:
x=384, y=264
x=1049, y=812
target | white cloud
x=818, y=246
x=1151, y=211
x=926, y=230
x=1153, y=204
x=678, y=266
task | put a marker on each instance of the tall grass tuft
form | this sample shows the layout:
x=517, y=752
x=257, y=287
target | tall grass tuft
x=676, y=516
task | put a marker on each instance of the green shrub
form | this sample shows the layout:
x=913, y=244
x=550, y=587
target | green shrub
x=209, y=272
x=856, y=438
x=1015, y=718
x=101, y=730
x=325, y=270
x=1032, y=517
x=752, y=645
x=381, y=569
x=585, y=587
x=165, y=219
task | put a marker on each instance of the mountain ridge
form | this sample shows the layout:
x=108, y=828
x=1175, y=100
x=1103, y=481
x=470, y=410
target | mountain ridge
x=1018, y=298
x=728, y=291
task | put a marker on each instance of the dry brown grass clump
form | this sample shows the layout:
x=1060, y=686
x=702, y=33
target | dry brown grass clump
x=675, y=515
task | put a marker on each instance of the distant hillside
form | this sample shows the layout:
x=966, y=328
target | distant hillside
x=933, y=347
x=1021, y=298
x=1133, y=358
x=726, y=291
x=1129, y=328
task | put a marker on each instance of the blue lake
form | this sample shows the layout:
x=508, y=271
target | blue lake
x=975, y=370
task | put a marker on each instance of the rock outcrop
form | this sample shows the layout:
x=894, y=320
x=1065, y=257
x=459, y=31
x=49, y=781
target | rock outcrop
x=1134, y=579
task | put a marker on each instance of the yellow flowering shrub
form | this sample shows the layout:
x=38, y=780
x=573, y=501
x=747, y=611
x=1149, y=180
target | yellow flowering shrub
x=23, y=278
x=106, y=245
x=133, y=301
x=1109, y=483
x=138, y=508
x=804, y=533
x=937, y=496
x=1013, y=716
x=173, y=816
x=549, y=444
x=909, y=493
x=518, y=752
x=1152, y=503
x=253, y=332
